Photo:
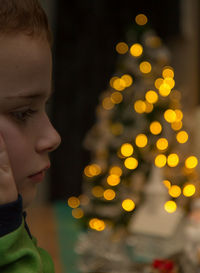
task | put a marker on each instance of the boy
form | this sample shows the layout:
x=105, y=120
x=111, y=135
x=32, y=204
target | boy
x=26, y=134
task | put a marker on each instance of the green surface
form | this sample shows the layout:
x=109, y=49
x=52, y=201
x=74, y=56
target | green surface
x=68, y=230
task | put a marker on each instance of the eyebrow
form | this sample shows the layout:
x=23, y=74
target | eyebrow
x=31, y=96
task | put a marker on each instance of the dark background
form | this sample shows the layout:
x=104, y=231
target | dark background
x=86, y=33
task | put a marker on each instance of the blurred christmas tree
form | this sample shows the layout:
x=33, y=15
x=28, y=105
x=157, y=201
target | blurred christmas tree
x=139, y=128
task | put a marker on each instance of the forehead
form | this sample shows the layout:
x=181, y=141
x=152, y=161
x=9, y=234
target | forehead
x=26, y=65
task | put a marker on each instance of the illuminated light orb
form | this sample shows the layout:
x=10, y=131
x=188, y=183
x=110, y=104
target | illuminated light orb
x=140, y=106
x=116, y=97
x=182, y=136
x=131, y=163
x=109, y=194
x=112, y=81
x=162, y=144
x=127, y=79
x=97, y=191
x=141, y=19
x=158, y=82
x=191, y=162
x=149, y=107
x=172, y=160
x=136, y=50
x=107, y=103
x=168, y=72
x=175, y=191
x=127, y=149
x=145, y=67
x=189, y=190
x=176, y=126
x=97, y=224
x=77, y=213
x=121, y=48
x=113, y=180
x=119, y=84
x=92, y=170
x=160, y=160
x=170, y=115
x=73, y=202
x=170, y=82
x=141, y=140
x=170, y=206
x=155, y=128
x=151, y=96
x=117, y=129
x=167, y=184
x=116, y=170
x=179, y=115
x=128, y=205
x=164, y=89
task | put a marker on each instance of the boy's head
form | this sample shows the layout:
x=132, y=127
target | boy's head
x=25, y=86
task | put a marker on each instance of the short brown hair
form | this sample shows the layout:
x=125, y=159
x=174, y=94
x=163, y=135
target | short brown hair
x=25, y=16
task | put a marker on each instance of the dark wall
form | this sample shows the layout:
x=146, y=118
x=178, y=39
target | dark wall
x=84, y=60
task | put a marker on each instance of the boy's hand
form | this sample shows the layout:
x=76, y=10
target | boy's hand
x=8, y=189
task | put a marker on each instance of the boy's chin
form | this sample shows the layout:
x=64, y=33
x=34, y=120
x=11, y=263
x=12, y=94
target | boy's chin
x=28, y=199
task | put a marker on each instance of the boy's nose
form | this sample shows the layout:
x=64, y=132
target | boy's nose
x=49, y=140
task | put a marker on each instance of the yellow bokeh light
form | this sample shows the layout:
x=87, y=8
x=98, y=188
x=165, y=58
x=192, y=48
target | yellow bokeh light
x=141, y=140
x=167, y=184
x=131, y=163
x=97, y=224
x=164, y=89
x=121, y=48
x=127, y=79
x=149, y=107
x=128, y=205
x=73, y=202
x=168, y=72
x=155, y=128
x=127, y=149
x=145, y=67
x=113, y=180
x=182, y=136
x=112, y=80
x=116, y=97
x=175, y=191
x=170, y=206
x=116, y=170
x=136, y=50
x=151, y=96
x=160, y=160
x=117, y=129
x=140, y=106
x=176, y=125
x=97, y=191
x=162, y=143
x=119, y=84
x=158, y=82
x=191, y=162
x=107, y=103
x=172, y=160
x=170, y=82
x=141, y=19
x=77, y=213
x=92, y=170
x=109, y=194
x=189, y=190
x=170, y=115
x=179, y=115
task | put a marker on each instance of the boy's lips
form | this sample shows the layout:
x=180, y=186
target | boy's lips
x=39, y=176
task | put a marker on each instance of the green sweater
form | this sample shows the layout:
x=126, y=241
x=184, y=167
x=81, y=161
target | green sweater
x=19, y=252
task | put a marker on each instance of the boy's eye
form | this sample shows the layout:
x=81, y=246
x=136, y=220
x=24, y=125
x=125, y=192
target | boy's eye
x=23, y=115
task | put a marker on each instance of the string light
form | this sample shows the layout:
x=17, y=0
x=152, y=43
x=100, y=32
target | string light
x=131, y=163
x=92, y=170
x=148, y=107
x=73, y=202
x=77, y=213
x=140, y=106
x=97, y=224
x=182, y=136
x=141, y=140
x=175, y=191
x=168, y=72
x=128, y=205
x=116, y=170
x=170, y=115
x=136, y=50
x=162, y=144
x=121, y=48
x=127, y=149
x=107, y=103
x=172, y=160
x=141, y=19
x=170, y=206
x=113, y=180
x=116, y=97
x=155, y=128
x=189, y=190
x=167, y=184
x=164, y=89
x=145, y=67
x=191, y=162
x=160, y=160
x=109, y=194
x=179, y=115
x=151, y=96
x=158, y=82
x=112, y=81
x=176, y=126
x=97, y=191
x=127, y=79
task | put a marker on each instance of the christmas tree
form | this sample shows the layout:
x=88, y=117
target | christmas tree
x=139, y=127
